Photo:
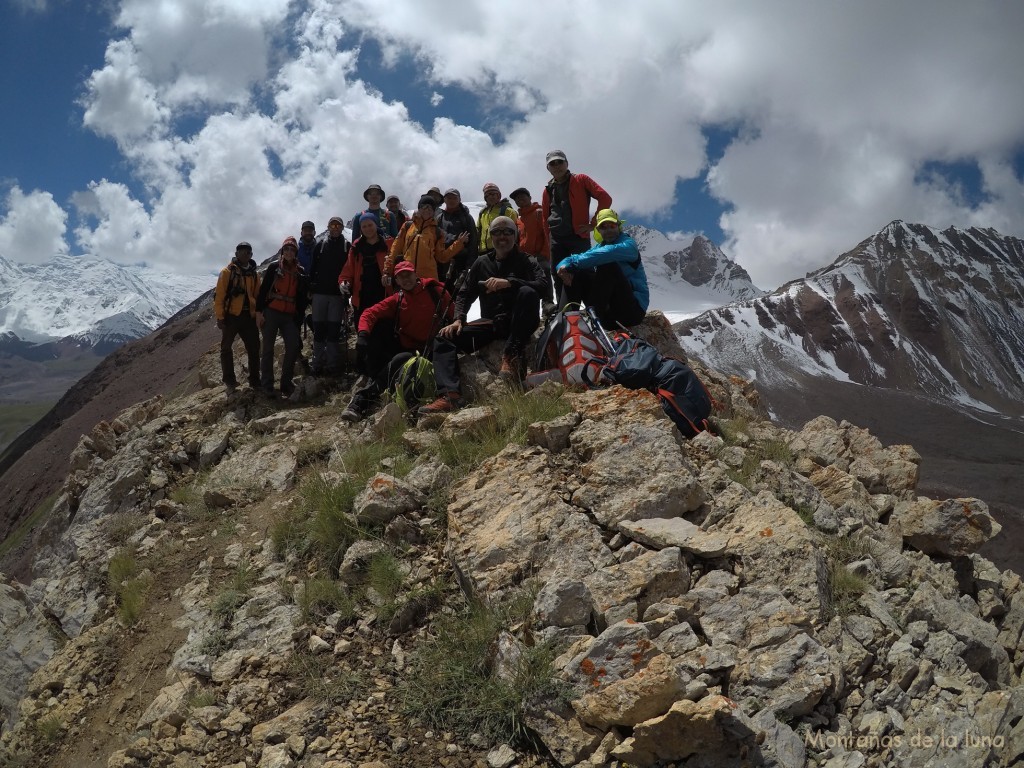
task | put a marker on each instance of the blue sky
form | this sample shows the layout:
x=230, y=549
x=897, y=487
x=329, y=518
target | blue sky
x=162, y=133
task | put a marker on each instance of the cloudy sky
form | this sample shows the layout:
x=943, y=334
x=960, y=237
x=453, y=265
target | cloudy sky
x=162, y=132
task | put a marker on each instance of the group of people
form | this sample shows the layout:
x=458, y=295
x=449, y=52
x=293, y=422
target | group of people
x=411, y=281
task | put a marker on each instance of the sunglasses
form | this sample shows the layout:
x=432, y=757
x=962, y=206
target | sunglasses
x=503, y=231
x=556, y=162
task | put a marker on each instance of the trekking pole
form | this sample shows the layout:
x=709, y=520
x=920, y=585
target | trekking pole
x=602, y=335
x=446, y=299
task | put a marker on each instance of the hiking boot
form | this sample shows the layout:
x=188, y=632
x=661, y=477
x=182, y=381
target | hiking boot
x=230, y=387
x=510, y=371
x=446, y=403
x=356, y=411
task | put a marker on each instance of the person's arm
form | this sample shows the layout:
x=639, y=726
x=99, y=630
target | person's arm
x=383, y=309
x=622, y=250
x=397, y=251
x=220, y=294
x=301, y=298
x=531, y=275
x=596, y=191
x=268, y=281
x=468, y=293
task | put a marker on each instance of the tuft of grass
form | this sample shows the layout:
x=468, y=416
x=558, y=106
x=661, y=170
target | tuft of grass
x=49, y=729
x=319, y=679
x=121, y=568
x=312, y=450
x=385, y=575
x=514, y=414
x=322, y=597
x=805, y=511
x=202, y=699
x=191, y=498
x=215, y=643
x=453, y=684
x=127, y=586
x=843, y=587
x=735, y=431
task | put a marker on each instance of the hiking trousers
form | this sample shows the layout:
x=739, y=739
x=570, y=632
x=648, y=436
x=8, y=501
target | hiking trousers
x=516, y=329
x=243, y=325
x=328, y=313
x=285, y=323
x=607, y=291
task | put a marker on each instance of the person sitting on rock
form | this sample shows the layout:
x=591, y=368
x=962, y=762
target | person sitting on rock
x=234, y=304
x=509, y=284
x=392, y=331
x=360, y=278
x=280, y=307
x=609, y=277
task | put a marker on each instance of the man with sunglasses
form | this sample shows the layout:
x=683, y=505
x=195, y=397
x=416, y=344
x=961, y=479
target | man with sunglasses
x=566, y=207
x=508, y=283
x=610, y=277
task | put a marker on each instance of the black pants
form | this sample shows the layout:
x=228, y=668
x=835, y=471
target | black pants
x=607, y=291
x=385, y=356
x=559, y=250
x=243, y=325
x=516, y=328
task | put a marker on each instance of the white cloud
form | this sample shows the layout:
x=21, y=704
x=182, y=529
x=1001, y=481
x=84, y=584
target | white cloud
x=839, y=107
x=32, y=229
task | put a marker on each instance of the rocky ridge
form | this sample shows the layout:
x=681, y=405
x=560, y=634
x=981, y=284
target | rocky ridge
x=763, y=597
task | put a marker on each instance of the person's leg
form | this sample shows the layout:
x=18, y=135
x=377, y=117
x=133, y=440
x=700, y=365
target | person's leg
x=333, y=333
x=270, y=323
x=251, y=339
x=445, y=355
x=227, y=357
x=292, y=345
x=320, y=305
x=523, y=323
x=608, y=291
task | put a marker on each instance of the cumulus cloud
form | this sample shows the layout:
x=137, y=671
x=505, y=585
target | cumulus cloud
x=835, y=109
x=32, y=229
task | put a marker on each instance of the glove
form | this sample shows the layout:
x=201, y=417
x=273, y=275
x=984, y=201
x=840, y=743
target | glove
x=346, y=291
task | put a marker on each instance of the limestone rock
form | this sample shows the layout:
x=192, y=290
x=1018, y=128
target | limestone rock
x=952, y=528
x=675, y=532
x=384, y=498
x=649, y=693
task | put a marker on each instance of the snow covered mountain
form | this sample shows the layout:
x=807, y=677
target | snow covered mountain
x=912, y=308
x=90, y=302
x=686, y=281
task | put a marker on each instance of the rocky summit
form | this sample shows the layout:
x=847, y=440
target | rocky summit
x=542, y=579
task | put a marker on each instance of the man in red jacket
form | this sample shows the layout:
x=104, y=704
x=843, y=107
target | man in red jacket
x=393, y=330
x=566, y=205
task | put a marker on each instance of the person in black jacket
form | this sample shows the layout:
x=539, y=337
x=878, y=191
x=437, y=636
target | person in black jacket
x=509, y=284
x=280, y=307
x=329, y=257
x=453, y=219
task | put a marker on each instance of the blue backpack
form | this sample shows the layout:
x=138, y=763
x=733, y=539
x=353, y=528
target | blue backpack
x=635, y=364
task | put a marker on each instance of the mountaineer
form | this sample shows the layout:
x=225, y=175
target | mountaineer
x=533, y=237
x=609, y=277
x=392, y=331
x=234, y=305
x=361, y=278
x=508, y=283
x=280, y=307
x=454, y=219
x=421, y=243
x=386, y=221
x=566, y=206
x=329, y=257
x=494, y=205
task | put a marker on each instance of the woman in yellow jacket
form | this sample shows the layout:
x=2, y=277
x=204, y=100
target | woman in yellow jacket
x=422, y=244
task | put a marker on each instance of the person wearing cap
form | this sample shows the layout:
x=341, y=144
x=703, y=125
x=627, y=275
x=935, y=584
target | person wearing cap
x=393, y=330
x=387, y=223
x=394, y=205
x=280, y=308
x=494, y=206
x=361, y=276
x=328, y=307
x=508, y=284
x=307, y=239
x=234, y=306
x=533, y=237
x=566, y=206
x=453, y=219
x=609, y=277
x=421, y=243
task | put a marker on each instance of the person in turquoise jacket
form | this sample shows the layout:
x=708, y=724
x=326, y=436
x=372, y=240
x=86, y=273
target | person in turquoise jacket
x=609, y=277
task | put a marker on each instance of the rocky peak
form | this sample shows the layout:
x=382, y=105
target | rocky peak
x=763, y=596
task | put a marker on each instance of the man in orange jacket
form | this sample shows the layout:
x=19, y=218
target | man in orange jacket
x=533, y=237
